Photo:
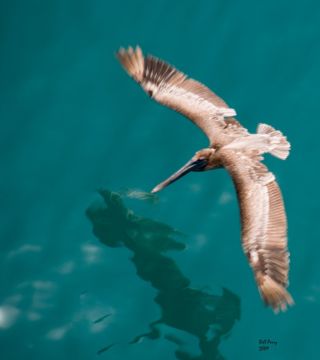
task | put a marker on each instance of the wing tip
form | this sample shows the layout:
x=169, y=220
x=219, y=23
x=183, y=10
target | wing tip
x=132, y=60
x=275, y=295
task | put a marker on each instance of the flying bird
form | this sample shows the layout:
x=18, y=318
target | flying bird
x=263, y=217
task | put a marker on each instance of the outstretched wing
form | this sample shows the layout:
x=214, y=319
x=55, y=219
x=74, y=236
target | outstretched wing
x=172, y=88
x=264, y=225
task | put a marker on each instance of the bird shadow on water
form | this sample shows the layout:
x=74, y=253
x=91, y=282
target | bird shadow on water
x=207, y=317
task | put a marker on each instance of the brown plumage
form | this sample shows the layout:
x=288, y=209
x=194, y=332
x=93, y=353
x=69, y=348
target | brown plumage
x=263, y=218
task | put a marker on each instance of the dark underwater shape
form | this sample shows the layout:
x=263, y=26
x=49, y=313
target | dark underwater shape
x=104, y=349
x=207, y=317
x=101, y=319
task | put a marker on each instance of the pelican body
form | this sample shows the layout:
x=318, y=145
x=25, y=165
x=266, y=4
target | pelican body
x=232, y=147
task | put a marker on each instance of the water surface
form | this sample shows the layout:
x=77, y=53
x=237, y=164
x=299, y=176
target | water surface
x=93, y=267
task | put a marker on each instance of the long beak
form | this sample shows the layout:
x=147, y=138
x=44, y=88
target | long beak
x=192, y=165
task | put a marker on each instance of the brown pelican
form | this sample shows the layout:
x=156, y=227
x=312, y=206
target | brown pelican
x=263, y=218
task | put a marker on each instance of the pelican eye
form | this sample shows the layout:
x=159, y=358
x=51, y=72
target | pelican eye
x=150, y=93
x=201, y=162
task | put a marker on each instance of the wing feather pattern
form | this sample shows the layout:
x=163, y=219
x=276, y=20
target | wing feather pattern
x=174, y=89
x=264, y=225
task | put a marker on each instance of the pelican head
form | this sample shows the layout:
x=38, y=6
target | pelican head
x=202, y=160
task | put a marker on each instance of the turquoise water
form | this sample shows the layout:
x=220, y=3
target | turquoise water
x=90, y=266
